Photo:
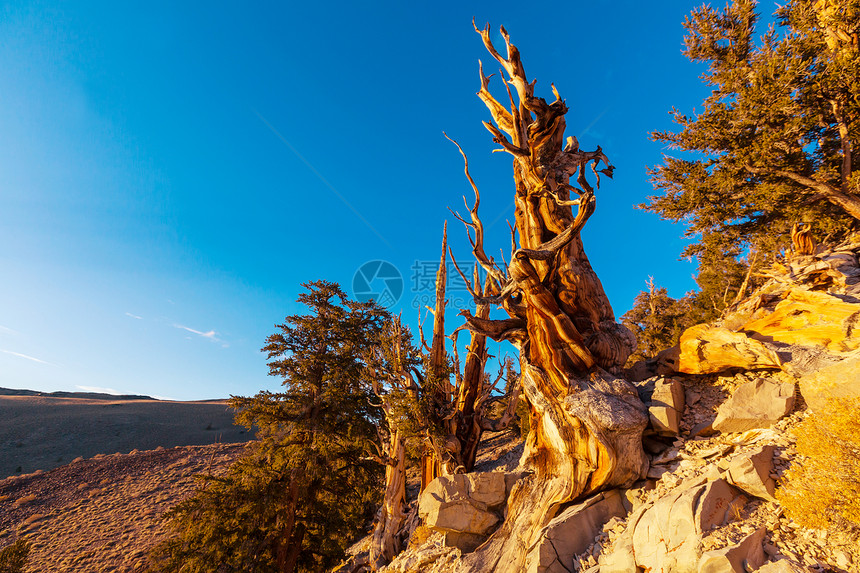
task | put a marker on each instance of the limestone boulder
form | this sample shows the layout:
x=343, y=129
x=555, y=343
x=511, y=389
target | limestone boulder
x=621, y=559
x=571, y=532
x=839, y=380
x=747, y=555
x=463, y=503
x=668, y=535
x=667, y=406
x=810, y=318
x=756, y=404
x=465, y=542
x=709, y=349
x=750, y=472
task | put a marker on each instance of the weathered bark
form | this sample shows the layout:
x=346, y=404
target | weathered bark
x=802, y=242
x=436, y=381
x=461, y=414
x=389, y=531
x=386, y=540
x=586, y=426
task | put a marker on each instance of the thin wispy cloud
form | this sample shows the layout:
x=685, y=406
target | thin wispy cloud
x=7, y=330
x=134, y=316
x=321, y=178
x=210, y=334
x=26, y=357
x=98, y=390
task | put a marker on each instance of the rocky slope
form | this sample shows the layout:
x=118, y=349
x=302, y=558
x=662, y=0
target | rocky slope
x=722, y=408
x=103, y=513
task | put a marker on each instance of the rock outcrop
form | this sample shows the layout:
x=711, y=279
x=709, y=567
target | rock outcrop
x=751, y=472
x=707, y=349
x=757, y=404
x=465, y=507
x=572, y=531
x=839, y=380
x=668, y=535
x=666, y=406
x=810, y=307
x=747, y=555
x=721, y=407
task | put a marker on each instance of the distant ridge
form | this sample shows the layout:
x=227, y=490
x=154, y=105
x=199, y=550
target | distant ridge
x=86, y=395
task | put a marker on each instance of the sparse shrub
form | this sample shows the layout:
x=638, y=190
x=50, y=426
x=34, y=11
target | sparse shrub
x=421, y=534
x=14, y=557
x=822, y=489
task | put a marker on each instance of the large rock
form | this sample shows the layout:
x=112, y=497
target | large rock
x=840, y=380
x=810, y=318
x=751, y=472
x=668, y=535
x=463, y=503
x=664, y=364
x=708, y=349
x=756, y=404
x=747, y=555
x=572, y=531
x=667, y=407
x=621, y=559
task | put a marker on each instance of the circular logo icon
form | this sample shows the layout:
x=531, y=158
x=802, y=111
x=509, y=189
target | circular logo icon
x=379, y=281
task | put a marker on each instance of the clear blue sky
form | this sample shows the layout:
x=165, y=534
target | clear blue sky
x=170, y=174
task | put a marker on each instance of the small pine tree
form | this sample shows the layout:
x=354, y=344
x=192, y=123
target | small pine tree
x=822, y=489
x=300, y=495
x=657, y=320
x=14, y=557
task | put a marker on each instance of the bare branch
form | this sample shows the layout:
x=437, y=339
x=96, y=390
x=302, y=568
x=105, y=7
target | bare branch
x=500, y=138
x=501, y=116
x=845, y=142
x=421, y=332
x=477, y=225
x=437, y=345
x=511, y=329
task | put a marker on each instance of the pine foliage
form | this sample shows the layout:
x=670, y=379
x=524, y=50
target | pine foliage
x=307, y=487
x=657, y=320
x=13, y=558
x=772, y=144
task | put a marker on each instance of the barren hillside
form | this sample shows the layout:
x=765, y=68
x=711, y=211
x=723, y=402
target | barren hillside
x=41, y=432
x=104, y=513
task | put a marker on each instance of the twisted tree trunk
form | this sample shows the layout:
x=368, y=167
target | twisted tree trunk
x=387, y=538
x=586, y=423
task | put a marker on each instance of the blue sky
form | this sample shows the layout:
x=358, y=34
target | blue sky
x=170, y=174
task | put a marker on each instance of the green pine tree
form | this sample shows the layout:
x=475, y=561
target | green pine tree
x=657, y=320
x=773, y=143
x=307, y=487
x=13, y=557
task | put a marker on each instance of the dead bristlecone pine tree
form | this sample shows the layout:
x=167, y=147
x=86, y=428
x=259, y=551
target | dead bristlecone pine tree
x=586, y=422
